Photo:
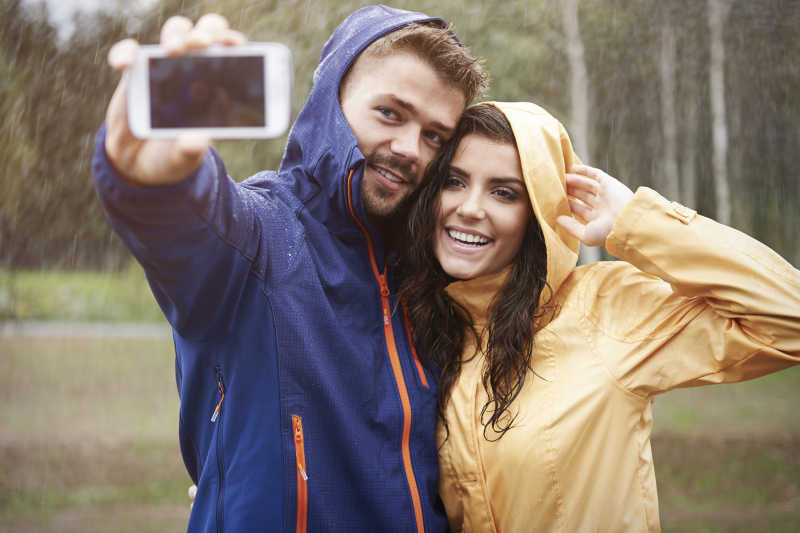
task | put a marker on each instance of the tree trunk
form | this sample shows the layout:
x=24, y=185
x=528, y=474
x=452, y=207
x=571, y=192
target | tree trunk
x=670, y=182
x=579, y=97
x=717, y=12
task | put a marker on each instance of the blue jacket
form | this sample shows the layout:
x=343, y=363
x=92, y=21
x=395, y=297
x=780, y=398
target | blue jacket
x=302, y=398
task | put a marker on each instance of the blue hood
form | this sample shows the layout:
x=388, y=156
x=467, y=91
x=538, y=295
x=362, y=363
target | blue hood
x=322, y=148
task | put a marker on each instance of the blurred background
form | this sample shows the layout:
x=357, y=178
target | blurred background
x=695, y=98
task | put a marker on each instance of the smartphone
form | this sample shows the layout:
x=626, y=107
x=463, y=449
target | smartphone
x=224, y=92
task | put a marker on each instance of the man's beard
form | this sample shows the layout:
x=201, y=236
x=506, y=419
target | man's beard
x=381, y=203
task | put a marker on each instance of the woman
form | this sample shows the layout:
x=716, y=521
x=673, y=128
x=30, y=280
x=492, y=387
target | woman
x=547, y=369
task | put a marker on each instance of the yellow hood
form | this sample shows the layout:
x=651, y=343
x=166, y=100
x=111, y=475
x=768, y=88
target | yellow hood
x=545, y=154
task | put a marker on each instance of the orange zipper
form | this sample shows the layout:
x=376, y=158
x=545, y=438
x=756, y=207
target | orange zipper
x=302, y=476
x=215, y=414
x=397, y=368
x=417, y=362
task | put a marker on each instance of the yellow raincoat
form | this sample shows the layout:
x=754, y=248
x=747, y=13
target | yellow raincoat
x=692, y=302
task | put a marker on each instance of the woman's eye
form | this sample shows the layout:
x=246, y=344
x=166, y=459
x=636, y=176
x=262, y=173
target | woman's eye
x=509, y=195
x=452, y=182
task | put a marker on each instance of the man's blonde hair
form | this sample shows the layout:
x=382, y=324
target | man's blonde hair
x=437, y=45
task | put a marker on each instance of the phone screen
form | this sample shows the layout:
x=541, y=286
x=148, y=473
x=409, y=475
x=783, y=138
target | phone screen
x=207, y=92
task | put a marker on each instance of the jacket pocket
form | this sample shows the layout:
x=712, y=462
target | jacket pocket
x=302, y=476
x=217, y=419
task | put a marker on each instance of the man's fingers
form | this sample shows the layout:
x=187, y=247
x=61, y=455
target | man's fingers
x=174, y=33
x=192, y=492
x=123, y=54
x=212, y=23
x=117, y=112
x=189, y=151
x=233, y=38
x=213, y=29
x=575, y=228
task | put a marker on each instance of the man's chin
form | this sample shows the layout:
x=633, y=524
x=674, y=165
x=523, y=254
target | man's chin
x=382, y=206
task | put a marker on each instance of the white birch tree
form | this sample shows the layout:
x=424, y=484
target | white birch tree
x=717, y=13
x=670, y=182
x=579, y=97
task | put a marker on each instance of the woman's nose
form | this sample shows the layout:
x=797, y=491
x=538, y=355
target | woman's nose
x=471, y=207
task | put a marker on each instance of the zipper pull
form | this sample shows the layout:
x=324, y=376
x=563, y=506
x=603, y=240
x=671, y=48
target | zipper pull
x=383, y=285
x=215, y=415
x=298, y=439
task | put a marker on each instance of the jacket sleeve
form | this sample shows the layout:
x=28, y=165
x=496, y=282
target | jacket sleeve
x=195, y=239
x=704, y=304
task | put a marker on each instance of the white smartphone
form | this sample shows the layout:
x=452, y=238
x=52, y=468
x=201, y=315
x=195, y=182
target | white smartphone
x=224, y=92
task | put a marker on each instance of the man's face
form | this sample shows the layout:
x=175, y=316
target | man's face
x=401, y=112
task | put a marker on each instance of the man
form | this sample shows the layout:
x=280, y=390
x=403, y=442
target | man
x=303, y=403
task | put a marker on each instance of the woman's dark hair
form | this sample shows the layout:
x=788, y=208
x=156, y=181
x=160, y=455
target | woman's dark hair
x=442, y=327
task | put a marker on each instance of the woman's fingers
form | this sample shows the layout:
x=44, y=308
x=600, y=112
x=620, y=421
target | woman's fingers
x=589, y=172
x=582, y=210
x=585, y=189
x=575, y=228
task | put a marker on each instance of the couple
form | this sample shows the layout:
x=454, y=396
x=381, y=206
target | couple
x=304, y=402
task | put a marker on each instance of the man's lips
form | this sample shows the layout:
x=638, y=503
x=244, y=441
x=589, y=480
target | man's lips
x=391, y=180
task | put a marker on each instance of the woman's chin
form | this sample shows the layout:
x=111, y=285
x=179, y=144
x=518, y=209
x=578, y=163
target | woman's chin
x=460, y=270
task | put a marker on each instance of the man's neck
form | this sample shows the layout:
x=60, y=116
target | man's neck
x=388, y=229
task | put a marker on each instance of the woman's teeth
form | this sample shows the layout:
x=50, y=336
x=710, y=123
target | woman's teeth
x=467, y=238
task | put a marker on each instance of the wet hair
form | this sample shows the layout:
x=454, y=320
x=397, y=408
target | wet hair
x=443, y=327
x=437, y=45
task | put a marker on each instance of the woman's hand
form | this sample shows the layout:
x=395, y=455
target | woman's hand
x=598, y=199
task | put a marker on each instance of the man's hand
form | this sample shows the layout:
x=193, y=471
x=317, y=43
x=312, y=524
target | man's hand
x=192, y=494
x=598, y=199
x=151, y=162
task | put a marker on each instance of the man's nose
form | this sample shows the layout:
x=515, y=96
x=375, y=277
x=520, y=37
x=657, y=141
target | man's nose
x=406, y=142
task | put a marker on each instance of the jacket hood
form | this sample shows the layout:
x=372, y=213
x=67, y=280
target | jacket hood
x=545, y=154
x=322, y=148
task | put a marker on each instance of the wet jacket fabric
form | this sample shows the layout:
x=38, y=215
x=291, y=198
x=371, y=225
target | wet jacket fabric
x=692, y=302
x=303, y=404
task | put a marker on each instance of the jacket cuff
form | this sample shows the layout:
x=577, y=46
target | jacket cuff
x=645, y=202
x=197, y=186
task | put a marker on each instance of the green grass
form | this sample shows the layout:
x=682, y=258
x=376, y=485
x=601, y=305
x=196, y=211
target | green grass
x=77, y=296
x=89, y=439
x=89, y=444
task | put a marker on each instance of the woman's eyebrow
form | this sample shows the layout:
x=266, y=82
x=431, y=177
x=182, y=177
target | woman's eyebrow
x=459, y=171
x=503, y=180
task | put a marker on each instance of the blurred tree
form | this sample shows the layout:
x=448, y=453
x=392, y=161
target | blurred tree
x=54, y=97
x=579, y=97
x=670, y=182
x=717, y=13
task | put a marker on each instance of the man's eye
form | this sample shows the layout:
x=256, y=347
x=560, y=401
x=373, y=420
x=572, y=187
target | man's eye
x=388, y=113
x=434, y=137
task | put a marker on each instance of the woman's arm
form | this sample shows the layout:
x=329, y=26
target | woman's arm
x=705, y=302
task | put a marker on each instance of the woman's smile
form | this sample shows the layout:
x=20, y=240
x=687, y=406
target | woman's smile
x=484, y=209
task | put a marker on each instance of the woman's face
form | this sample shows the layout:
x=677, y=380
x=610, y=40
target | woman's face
x=484, y=209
